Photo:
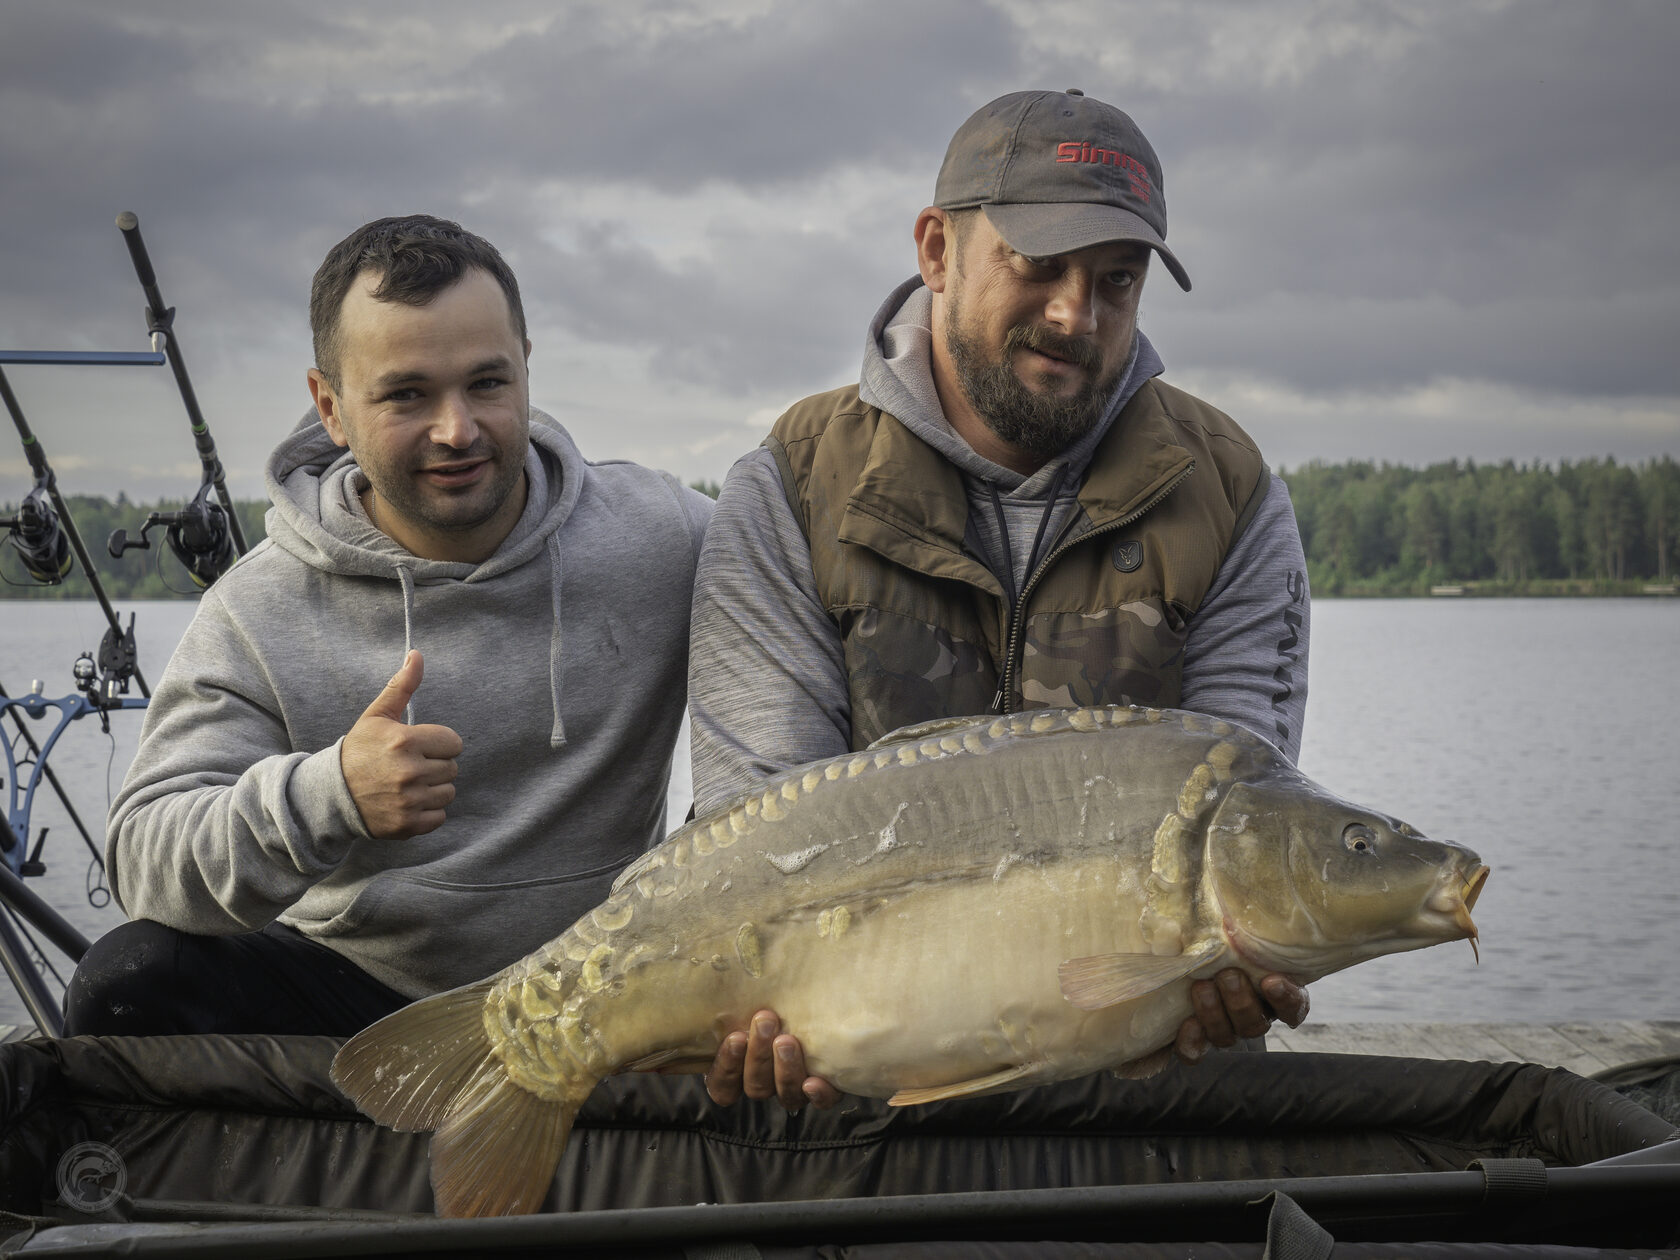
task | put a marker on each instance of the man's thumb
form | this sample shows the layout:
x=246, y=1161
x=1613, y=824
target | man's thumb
x=391, y=702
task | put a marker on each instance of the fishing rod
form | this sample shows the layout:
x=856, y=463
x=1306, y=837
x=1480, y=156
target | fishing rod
x=205, y=536
x=44, y=533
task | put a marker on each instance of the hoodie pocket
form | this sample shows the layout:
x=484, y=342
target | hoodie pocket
x=437, y=933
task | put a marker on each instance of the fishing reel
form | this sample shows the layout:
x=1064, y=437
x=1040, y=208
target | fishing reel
x=198, y=535
x=36, y=537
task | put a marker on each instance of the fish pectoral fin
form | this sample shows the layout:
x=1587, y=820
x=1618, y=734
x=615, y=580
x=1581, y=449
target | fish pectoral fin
x=1149, y=1065
x=675, y=1061
x=1109, y=979
x=996, y=1083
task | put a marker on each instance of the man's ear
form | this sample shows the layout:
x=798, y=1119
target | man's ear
x=326, y=406
x=935, y=248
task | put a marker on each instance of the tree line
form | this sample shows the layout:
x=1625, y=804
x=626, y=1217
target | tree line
x=152, y=574
x=1592, y=527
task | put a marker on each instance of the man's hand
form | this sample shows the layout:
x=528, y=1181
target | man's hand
x=1228, y=1007
x=401, y=777
x=760, y=1064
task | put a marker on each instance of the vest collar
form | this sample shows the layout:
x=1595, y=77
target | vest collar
x=909, y=504
x=1138, y=456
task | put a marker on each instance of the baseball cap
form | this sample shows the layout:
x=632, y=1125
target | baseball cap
x=1056, y=172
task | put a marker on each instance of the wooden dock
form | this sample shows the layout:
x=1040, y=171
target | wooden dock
x=1585, y=1049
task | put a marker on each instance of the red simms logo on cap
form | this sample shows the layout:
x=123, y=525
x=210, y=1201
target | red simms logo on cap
x=1084, y=151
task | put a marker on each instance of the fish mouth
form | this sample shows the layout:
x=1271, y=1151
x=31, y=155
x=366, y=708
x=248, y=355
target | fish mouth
x=1467, y=899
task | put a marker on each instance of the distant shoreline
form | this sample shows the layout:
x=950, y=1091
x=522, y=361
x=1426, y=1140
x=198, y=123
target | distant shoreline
x=1546, y=588
x=1543, y=588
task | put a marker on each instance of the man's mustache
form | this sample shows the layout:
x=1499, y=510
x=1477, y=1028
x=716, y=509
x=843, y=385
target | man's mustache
x=479, y=450
x=1076, y=350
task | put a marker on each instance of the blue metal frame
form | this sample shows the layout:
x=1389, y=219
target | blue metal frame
x=76, y=705
x=107, y=358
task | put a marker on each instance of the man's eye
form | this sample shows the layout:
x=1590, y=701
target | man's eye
x=401, y=395
x=1122, y=279
x=489, y=382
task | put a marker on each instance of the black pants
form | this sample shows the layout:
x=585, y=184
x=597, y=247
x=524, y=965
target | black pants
x=142, y=979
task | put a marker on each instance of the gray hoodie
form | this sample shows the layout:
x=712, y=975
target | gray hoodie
x=559, y=661
x=768, y=686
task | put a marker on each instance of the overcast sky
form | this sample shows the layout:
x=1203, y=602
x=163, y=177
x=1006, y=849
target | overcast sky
x=1416, y=230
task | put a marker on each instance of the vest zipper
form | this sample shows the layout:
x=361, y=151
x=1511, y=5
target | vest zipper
x=1018, y=619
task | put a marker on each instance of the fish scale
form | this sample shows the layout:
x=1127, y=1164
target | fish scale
x=965, y=907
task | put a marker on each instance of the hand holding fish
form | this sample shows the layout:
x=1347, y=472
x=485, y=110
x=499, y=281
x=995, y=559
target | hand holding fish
x=1231, y=1006
x=401, y=777
x=761, y=1061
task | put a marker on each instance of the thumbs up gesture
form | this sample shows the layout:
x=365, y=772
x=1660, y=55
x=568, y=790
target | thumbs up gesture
x=401, y=777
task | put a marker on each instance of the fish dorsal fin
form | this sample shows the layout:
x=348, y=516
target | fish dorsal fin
x=921, y=730
x=1109, y=979
x=634, y=869
x=996, y=1083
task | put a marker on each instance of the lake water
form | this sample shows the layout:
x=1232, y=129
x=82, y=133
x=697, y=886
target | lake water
x=1544, y=734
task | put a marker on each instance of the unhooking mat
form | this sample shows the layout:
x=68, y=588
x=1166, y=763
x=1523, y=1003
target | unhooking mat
x=254, y=1122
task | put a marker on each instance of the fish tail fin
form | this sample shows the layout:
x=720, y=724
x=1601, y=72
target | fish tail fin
x=495, y=1154
x=431, y=1066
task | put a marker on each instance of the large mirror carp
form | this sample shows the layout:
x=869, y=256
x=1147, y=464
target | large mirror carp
x=965, y=907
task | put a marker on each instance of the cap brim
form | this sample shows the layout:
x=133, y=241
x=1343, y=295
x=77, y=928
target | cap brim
x=1042, y=229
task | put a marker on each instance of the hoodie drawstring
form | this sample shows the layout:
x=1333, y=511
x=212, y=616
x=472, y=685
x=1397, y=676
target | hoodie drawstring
x=405, y=575
x=557, y=733
x=1008, y=575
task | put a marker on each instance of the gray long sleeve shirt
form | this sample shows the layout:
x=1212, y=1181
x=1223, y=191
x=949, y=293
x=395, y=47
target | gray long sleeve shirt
x=767, y=685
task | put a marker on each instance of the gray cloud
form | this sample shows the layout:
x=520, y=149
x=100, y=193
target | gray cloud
x=1369, y=196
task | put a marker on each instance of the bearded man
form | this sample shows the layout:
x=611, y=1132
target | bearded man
x=1008, y=511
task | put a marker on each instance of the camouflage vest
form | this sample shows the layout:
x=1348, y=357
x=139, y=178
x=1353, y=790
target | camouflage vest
x=1102, y=620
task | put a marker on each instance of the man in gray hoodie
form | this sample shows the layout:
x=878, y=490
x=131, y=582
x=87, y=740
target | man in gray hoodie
x=1008, y=511
x=415, y=732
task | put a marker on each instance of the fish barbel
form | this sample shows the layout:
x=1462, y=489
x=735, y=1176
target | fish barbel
x=966, y=907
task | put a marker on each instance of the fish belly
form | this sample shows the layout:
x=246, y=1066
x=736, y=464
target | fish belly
x=945, y=982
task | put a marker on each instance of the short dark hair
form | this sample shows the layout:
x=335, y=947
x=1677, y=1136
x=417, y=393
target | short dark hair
x=416, y=257
x=957, y=223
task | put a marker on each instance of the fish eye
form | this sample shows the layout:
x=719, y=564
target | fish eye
x=1359, y=838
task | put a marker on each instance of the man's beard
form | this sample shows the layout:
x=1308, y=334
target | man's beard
x=439, y=511
x=1039, y=424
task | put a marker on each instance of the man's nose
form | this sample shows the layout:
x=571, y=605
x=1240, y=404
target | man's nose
x=454, y=425
x=1073, y=307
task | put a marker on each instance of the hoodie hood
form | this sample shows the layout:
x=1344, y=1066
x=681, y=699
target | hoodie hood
x=1012, y=519
x=317, y=515
x=316, y=485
